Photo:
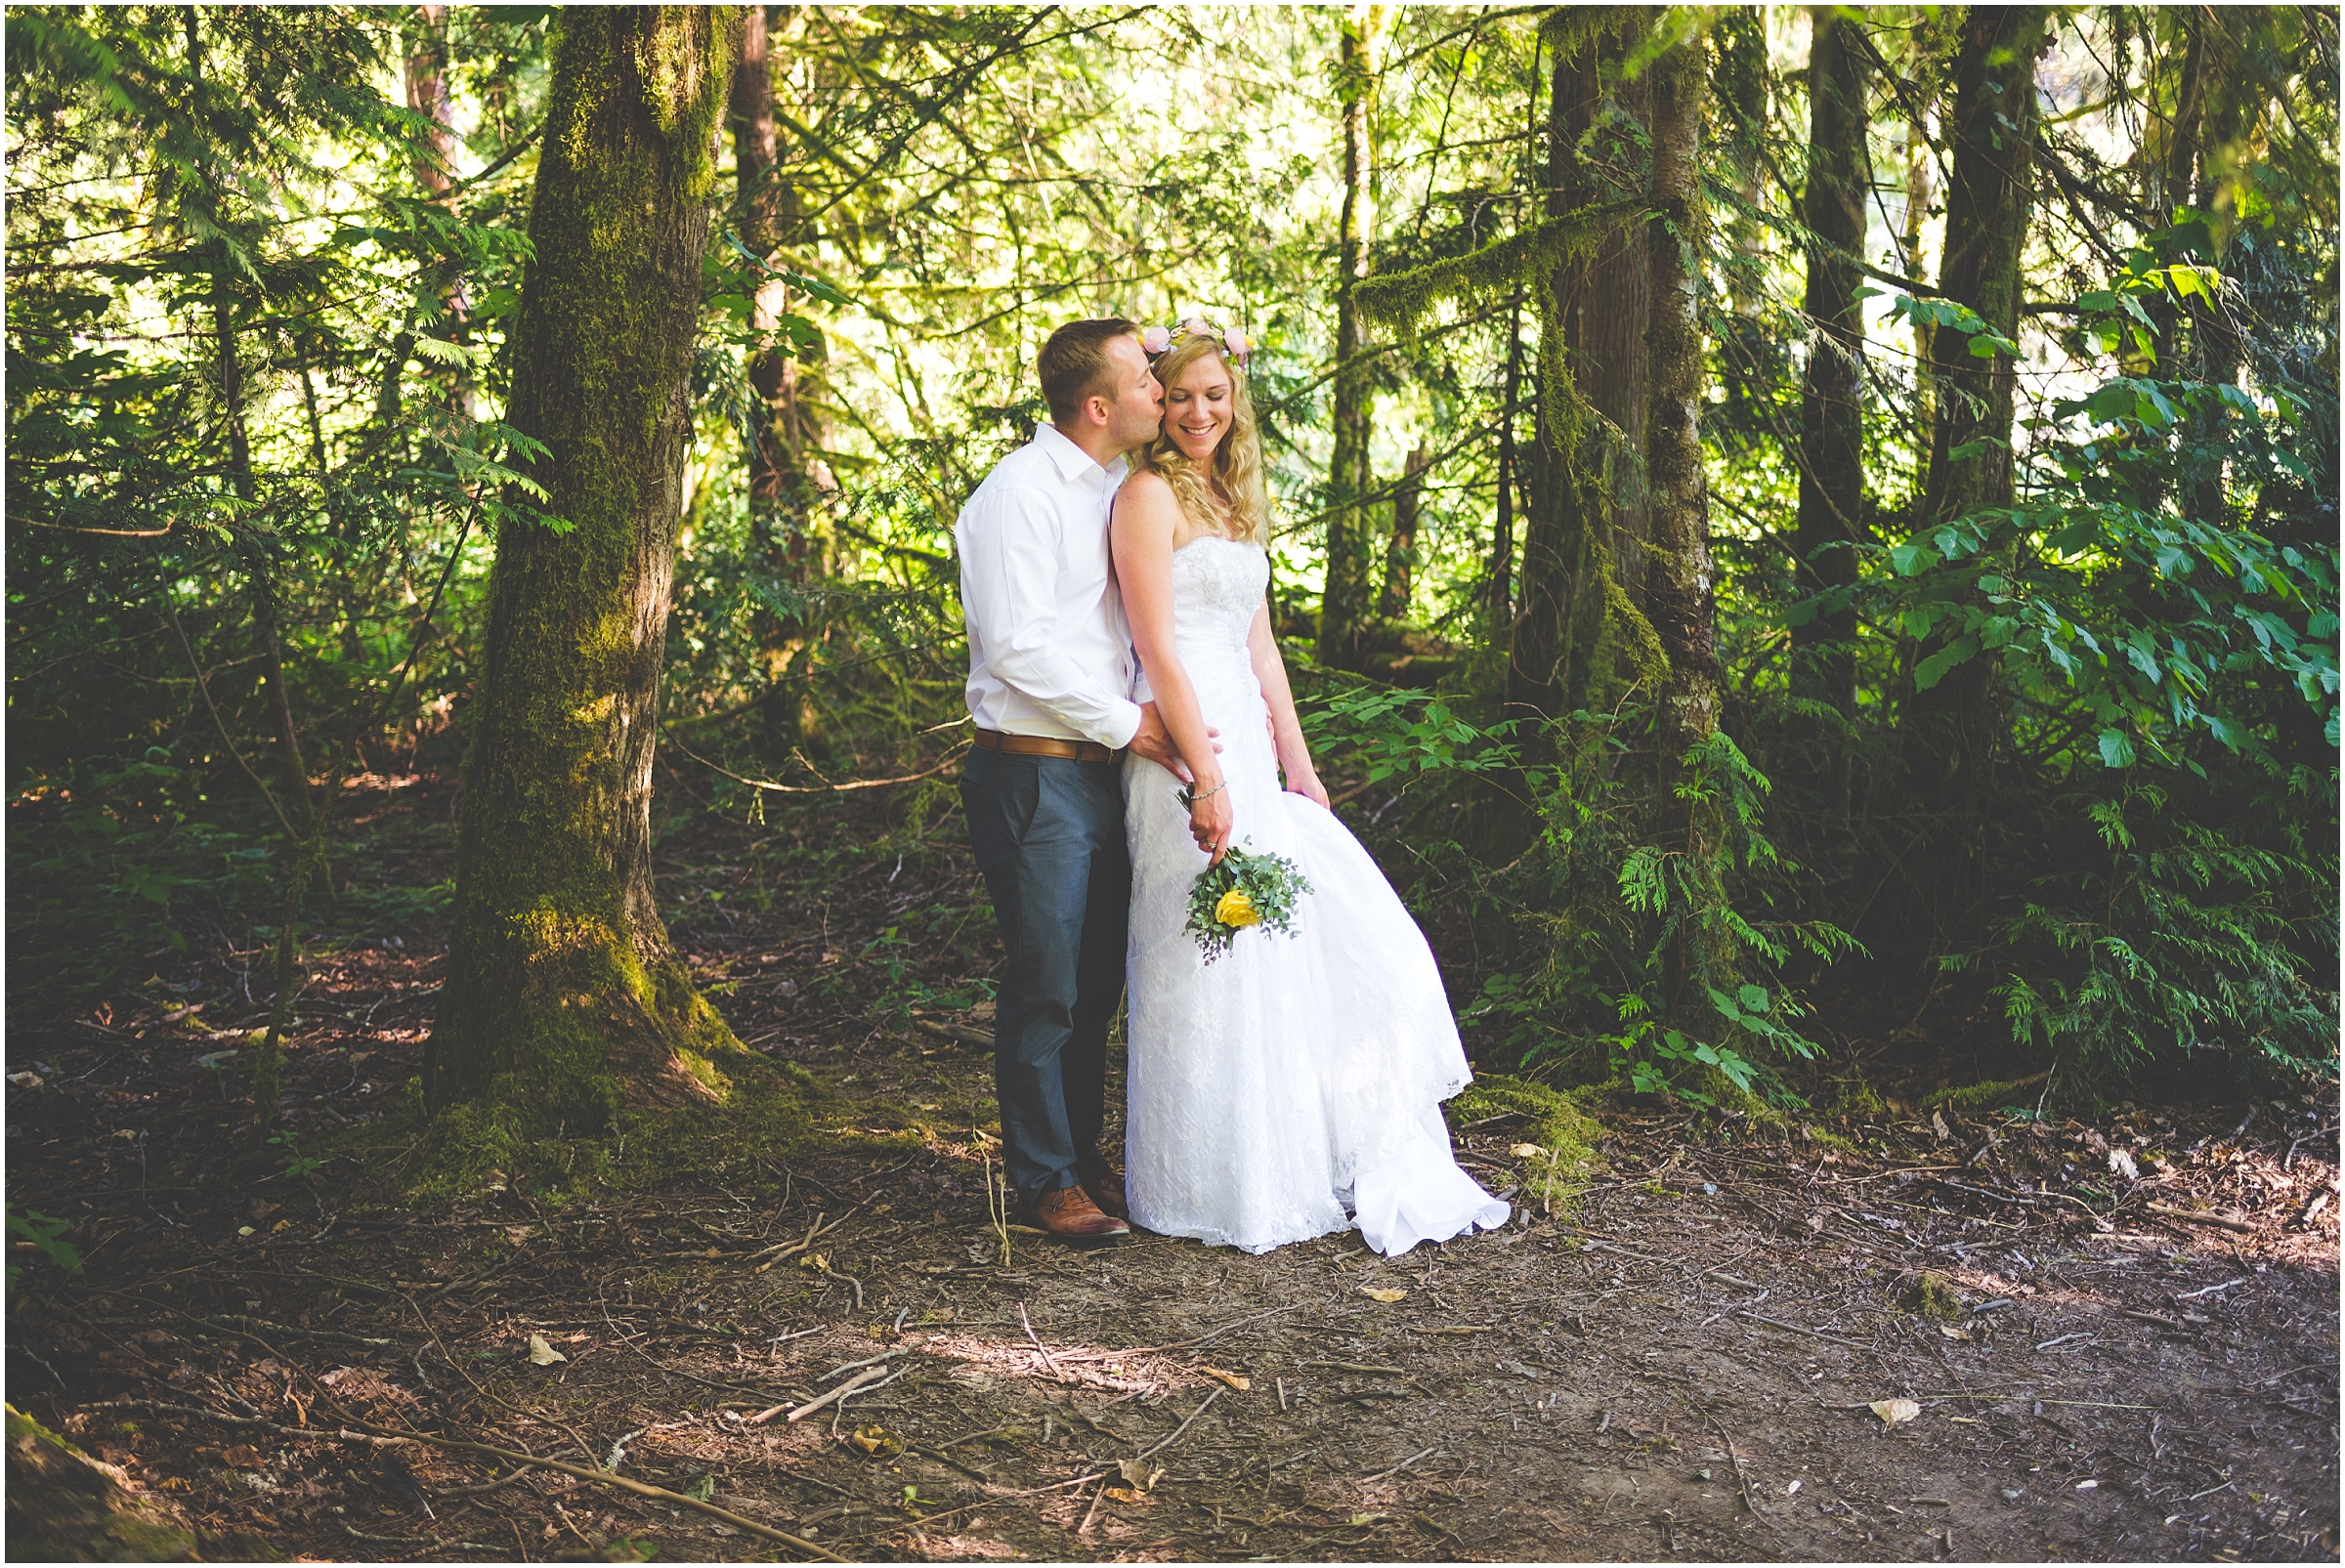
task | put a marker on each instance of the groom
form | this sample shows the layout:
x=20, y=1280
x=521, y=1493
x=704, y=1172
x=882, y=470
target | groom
x=1050, y=667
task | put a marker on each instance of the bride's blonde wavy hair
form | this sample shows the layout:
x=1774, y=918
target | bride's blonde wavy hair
x=1241, y=511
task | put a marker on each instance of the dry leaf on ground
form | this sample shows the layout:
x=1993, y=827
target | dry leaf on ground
x=1389, y=1293
x=1527, y=1151
x=1895, y=1410
x=1138, y=1474
x=542, y=1354
x=877, y=1440
x=1235, y=1380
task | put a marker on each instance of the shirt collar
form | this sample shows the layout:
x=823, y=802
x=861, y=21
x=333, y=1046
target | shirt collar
x=1071, y=461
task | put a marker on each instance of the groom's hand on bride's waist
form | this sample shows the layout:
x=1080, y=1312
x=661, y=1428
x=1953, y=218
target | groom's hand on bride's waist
x=1155, y=742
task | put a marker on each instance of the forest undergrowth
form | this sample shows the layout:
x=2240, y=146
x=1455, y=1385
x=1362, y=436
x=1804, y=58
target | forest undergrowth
x=1673, y=1349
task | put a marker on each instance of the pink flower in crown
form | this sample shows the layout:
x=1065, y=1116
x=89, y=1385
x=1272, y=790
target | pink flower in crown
x=1238, y=343
x=1196, y=326
x=1156, y=340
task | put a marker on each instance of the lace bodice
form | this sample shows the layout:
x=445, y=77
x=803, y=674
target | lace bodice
x=1217, y=586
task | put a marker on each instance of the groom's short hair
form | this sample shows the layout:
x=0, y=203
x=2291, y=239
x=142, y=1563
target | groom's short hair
x=1074, y=363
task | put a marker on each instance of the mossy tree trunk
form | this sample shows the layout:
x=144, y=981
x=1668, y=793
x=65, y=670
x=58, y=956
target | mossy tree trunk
x=1679, y=587
x=1347, y=600
x=1949, y=728
x=564, y=1001
x=1586, y=519
x=1831, y=413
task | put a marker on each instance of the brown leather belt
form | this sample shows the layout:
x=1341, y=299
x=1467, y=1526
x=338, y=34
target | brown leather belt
x=1046, y=745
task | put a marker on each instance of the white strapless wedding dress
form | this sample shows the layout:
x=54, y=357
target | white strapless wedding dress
x=1296, y=1078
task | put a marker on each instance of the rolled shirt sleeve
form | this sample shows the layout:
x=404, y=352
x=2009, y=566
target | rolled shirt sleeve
x=1011, y=554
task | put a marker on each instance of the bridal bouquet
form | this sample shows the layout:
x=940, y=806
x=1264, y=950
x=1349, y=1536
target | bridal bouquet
x=1246, y=889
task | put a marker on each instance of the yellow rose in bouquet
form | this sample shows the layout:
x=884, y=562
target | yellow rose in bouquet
x=1237, y=910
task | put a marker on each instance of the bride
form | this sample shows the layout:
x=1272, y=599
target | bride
x=1294, y=1078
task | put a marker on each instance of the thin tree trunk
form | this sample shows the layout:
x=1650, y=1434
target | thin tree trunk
x=1502, y=531
x=428, y=96
x=1344, y=602
x=2218, y=335
x=768, y=217
x=299, y=815
x=1679, y=586
x=1831, y=414
x=564, y=999
x=1919, y=194
x=1400, y=555
x=1949, y=730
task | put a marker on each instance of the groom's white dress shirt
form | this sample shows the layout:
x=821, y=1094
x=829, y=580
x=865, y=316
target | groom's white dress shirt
x=1049, y=651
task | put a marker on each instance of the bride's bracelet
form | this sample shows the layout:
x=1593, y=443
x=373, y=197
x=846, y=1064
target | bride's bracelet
x=1191, y=795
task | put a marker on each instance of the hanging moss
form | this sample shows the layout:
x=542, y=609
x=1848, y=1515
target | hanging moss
x=1527, y=260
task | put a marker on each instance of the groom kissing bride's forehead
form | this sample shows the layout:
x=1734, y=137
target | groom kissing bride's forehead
x=1272, y=1095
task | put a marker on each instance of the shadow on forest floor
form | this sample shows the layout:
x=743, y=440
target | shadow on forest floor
x=1681, y=1364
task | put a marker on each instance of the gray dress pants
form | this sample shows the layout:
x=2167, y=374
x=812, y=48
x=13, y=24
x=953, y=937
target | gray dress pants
x=1049, y=835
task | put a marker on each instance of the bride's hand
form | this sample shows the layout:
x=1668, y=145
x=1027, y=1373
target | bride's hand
x=1211, y=819
x=1306, y=785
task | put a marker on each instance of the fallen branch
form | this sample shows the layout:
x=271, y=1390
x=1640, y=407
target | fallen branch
x=1379, y=1476
x=858, y=1366
x=1182, y=1427
x=1084, y=1529
x=1039, y=1348
x=1008, y=1497
x=785, y=1248
x=1793, y=1328
x=2169, y=1212
x=950, y=758
x=873, y=1376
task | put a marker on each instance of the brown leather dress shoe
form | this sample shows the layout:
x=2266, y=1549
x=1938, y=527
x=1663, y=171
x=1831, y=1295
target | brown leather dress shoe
x=1070, y=1215
x=1107, y=1191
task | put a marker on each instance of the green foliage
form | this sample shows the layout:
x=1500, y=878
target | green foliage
x=42, y=1232
x=1402, y=735
x=2175, y=944
x=2106, y=598
x=1647, y=955
x=298, y=1165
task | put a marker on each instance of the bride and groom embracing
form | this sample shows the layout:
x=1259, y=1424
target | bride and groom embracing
x=1113, y=575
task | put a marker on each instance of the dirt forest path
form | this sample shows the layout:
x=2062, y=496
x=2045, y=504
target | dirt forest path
x=1682, y=1364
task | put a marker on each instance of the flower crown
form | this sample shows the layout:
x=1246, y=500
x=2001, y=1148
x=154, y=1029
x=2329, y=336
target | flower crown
x=1157, y=339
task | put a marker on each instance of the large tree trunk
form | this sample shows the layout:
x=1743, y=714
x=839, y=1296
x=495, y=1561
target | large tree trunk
x=1831, y=412
x=1587, y=513
x=1949, y=731
x=1344, y=602
x=564, y=999
x=1679, y=590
